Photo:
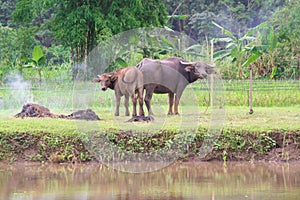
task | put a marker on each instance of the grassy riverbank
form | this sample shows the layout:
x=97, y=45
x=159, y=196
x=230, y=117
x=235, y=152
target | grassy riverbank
x=269, y=134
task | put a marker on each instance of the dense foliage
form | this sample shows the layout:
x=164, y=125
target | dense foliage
x=280, y=60
x=67, y=31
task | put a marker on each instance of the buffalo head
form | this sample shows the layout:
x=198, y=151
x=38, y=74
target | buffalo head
x=200, y=69
x=106, y=80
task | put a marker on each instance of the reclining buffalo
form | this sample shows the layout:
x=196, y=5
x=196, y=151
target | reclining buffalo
x=171, y=76
x=126, y=82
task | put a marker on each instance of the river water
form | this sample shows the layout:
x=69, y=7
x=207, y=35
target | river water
x=198, y=180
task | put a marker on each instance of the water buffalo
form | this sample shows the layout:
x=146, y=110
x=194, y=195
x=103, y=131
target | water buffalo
x=125, y=81
x=171, y=76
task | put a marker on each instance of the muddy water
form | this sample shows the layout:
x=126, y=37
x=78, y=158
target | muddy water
x=178, y=181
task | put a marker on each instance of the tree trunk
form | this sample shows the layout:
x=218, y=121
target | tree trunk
x=240, y=69
x=72, y=64
x=250, y=93
x=211, y=76
x=86, y=52
x=207, y=44
x=40, y=75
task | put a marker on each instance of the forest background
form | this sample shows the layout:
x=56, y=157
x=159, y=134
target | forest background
x=45, y=40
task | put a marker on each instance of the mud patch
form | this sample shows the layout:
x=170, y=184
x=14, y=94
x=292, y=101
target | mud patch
x=36, y=110
x=141, y=119
x=83, y=114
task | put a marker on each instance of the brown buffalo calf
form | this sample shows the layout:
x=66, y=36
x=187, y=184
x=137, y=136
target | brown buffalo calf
x=125, y=82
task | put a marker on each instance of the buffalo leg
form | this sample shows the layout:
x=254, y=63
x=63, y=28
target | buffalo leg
x=118, y=98
x=126, y=104
x=133, y=99
x=171, y=102
x=176, y=106
x=140, y=98
x=177, y=99
x=148, y=97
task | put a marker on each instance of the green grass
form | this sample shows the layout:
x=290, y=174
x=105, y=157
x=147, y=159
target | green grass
x=263, y=119
x=276, y=105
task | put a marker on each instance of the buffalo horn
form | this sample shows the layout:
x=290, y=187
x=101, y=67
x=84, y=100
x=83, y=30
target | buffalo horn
x=187, y=63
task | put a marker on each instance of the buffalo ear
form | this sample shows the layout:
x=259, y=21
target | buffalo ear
x=113, y=76
x=189, y=68
x=211, y=69
x=95, y=80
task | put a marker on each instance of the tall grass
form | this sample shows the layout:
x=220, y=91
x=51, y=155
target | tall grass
x=265, y=93
x=89, y=95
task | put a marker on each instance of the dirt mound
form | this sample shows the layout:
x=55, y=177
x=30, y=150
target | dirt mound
x=141, y=119
x=36, y=110
x=83, y=114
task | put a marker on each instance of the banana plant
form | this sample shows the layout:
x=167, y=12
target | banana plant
x=37, y=61
x=238, y=47
x=272, y=41
x=244, y=51
x=255, y=53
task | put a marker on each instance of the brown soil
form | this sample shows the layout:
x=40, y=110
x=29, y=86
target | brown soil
x=36, y=110
x=287, y=148
x=36, y=147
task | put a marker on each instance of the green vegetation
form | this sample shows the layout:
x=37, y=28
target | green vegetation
x=76, y=25
x=68, y=31
x=238, y=17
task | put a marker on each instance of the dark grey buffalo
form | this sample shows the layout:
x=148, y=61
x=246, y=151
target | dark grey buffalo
x=171, y=76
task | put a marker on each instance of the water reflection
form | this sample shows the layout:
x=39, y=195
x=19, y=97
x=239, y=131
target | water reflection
x=178, y=181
